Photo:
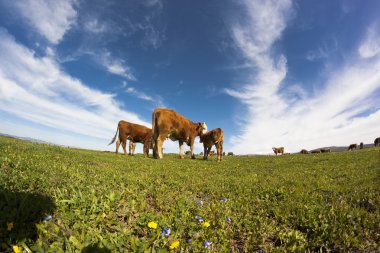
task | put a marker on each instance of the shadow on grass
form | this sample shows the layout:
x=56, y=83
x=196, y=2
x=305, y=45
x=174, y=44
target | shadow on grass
x=95, y=248
x=19, y=213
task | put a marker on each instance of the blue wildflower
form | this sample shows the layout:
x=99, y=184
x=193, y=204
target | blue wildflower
x=189, y=240
x=261, y=251
x=224, y=200
x=207, y=244
x=47, y=218
x=199, y=218
x=165, y=231
x=228, y=219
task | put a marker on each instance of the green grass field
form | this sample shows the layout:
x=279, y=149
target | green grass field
x=100, y=202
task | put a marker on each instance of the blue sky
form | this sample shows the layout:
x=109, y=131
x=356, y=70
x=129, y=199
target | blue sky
x=298, y=74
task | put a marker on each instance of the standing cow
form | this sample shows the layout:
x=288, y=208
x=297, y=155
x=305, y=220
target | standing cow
x=214, y=137
x=134, y=133
x=278, y=150
x=377, y=141
x=168, y=123
x=352, y=147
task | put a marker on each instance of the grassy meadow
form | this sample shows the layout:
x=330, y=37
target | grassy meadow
x=56, y=199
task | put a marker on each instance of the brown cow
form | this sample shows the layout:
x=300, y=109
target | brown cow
x=352, y=147
x=304, y=151
x=316, y=151
x=278, y=150
x=325, y=150
x=214, y=137
x=230, y=154
x=168, y=123
x=134, y=133
x=361, y=145
x=377, y=141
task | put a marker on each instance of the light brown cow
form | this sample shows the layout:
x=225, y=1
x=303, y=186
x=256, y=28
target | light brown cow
x=214, y=137
x=352, y=147
x=278, y=150
x=304, y=151
x=168, y=123
x=377, y=141
x=134, y=133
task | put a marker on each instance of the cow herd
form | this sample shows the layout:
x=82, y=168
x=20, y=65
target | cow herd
x=168, y=124
x=326, y=150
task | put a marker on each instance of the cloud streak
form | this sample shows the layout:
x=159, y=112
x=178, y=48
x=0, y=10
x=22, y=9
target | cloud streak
x=340, y=111
x=51, y=19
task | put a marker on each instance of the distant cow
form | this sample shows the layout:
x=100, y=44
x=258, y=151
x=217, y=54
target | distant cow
x=377, y=141
x=361, y=145
x=132, y=148
x=304, y=151
x=315, y=151
x=168, y=123
x=224, y=153
x=230, y=154
x=134, y=133
x=214, y=137
x=352, y=147
x=278, y=150
x=325, y=150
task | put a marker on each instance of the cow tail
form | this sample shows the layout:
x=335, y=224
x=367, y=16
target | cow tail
x=114, y=138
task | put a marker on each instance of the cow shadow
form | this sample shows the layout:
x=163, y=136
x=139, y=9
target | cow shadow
x=19, y=213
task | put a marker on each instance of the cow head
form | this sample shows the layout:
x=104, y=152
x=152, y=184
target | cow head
x=201, y=128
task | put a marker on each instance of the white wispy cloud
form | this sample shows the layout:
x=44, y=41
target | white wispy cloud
x=37, y=90
x=51, y=19
x=290, y=116
x=371, y=45
x=95, y=26
x=156, y=100
x=115, y=66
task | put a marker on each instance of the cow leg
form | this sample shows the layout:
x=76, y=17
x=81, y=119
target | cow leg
x=204, y=151
x=146, y=149
x=158, y=145
x=117, y=145
x=181, y=155
x=124, y=145
x=191, y=142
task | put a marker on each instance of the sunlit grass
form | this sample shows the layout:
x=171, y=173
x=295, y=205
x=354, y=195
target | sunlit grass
x=103, y=202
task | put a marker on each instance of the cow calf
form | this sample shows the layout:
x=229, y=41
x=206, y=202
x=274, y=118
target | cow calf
x=213, y=137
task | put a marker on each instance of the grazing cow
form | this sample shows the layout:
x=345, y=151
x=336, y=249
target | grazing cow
x=132, y=148
x=377, y=141
x=352, y=147
x=316, y=151
x=168, y=123
x=278, y=150
x=361, y=145
x=224, y=153
x=230, y=154
x=214, y=137
x=134, y=133
x=304, y=151
x=325, y=150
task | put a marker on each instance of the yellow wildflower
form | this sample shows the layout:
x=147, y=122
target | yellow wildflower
x=206, y=224
x=9, y=226
x=152, y=224
x=174, y=245
x=16, y=249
